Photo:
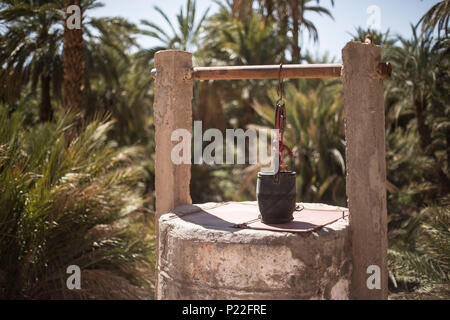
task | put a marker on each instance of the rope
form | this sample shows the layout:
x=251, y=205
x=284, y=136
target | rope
x=280, y=120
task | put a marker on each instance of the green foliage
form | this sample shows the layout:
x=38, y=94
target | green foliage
x=118, y=83
x=31, y=54
x=229, y=41
x=418, y=158
x=185, y=36
x=378, y=38
x=30, y=51
x=418, y=115
x=66, y=201
x=420, y=253
x=243, y=43
x=438, y=16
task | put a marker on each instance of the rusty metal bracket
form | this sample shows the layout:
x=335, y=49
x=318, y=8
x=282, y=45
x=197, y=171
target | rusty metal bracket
x=384, y=69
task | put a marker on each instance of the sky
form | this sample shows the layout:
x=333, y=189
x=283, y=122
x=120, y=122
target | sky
x=395, y=15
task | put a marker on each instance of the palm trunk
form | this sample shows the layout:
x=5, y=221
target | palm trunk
x=284, y=20
x=425, y=140
x=45, y=109
x=448, y=150
x=422, y=127
x=269, y=7
x=73, y=64
x=242, y=9
x=295, y=30
x=210, y=109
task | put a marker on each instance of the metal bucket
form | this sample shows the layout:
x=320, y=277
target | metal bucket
x=276, y=194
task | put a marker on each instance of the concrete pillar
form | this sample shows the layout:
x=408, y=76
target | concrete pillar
x=366, y=168
x=172, y=110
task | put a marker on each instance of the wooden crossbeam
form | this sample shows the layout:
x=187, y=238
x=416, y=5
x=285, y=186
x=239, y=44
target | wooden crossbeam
x=288, y=71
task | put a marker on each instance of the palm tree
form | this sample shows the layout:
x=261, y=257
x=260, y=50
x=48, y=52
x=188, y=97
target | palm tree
x=299, y=9
x=231, y=41
x=119, y=84
x=30, y=51
x=290, y=15
x=415, y=66
x=438, y=15
x=418, y=90
x=378, y=38
x=186, y=35
x=241, y=43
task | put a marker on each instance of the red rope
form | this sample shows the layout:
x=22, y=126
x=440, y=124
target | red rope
x=280, y=123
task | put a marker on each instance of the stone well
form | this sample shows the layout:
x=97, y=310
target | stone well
x=204, y=257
